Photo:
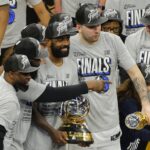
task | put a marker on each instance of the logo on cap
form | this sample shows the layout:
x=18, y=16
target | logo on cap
x=67, y=20
x=94, y=14
x=62, y=27
x=24, y=62
x=111, y=13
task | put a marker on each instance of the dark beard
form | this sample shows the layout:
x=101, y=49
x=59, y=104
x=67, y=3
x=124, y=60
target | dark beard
x=34, y=75
x=21, y=87
x=58, y=53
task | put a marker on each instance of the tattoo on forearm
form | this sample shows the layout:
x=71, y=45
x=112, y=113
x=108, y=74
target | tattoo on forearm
x=141, y=89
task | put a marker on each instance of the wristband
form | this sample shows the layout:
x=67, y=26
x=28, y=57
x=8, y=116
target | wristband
x=106, y=83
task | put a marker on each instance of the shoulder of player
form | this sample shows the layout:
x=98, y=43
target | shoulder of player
x=135, y=35
x=74, y=38
x=109, y=36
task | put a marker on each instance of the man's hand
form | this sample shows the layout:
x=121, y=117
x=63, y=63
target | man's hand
x=97, y=85
x=59, y=137
x=146, y=110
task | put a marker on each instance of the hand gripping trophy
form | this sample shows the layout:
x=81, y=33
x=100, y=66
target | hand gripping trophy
x=72, y=113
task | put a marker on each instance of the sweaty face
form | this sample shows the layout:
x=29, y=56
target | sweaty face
x=112, y=26
x=60, y=47
x=21, y=80
x=90, y=34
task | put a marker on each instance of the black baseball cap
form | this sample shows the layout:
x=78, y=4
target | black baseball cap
x=61, y=17
x=145, y=70
x=146, y=18
x=34, y=30
x=64, y=18
x=57, y=30
x=89, y=15
x=29, y=47
x=19, y=63
x=112, y=14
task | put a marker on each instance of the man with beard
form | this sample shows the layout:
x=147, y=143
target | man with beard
x=16, y=76
x=40, y=92
x=57, y=71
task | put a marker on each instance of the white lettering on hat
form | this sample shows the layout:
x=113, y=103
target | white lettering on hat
x=24, y=61
x=18, y=42
x=43, y=31
x=67, y=20
x=62, y=27
x=94, y=14
x=111, y=13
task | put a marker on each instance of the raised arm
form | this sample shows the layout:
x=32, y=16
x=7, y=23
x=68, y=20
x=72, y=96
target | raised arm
x=42, y=13
x=43, y=93
x=58, y=6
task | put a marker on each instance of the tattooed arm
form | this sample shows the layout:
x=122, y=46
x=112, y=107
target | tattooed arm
x=140, y=85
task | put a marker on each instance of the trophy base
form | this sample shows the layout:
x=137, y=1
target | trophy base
x=77, y=134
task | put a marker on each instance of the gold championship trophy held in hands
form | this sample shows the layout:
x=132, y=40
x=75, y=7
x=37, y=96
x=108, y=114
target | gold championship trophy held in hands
x=136, y=121
x=72, y=113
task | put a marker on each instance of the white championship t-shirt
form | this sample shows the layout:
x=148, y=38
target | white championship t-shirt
x=95, y=61
x=9, y=111
x=54, y=76
x=138, y=45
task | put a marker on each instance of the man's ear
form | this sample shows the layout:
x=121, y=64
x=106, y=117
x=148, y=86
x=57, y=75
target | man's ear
x=11, y=74
x=47, y=42
x=78, y=26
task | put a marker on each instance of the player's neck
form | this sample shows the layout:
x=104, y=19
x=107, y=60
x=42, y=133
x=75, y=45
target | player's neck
x=56, y=61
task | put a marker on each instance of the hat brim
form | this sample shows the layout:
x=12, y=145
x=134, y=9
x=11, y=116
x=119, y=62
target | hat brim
x=70, y=32
x=29, y=69
x=100, y=21
x=145, y=21
x=115, y=19
x=73, y=31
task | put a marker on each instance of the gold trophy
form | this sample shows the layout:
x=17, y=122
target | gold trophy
x=72, y=113
x=136, y=121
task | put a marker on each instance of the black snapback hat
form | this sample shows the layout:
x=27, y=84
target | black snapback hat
x=89, y=15
x=34, y=30
x=57, y=30
x=112, y=14
x=19, y=63
x=64, y=18
x=29, y=47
